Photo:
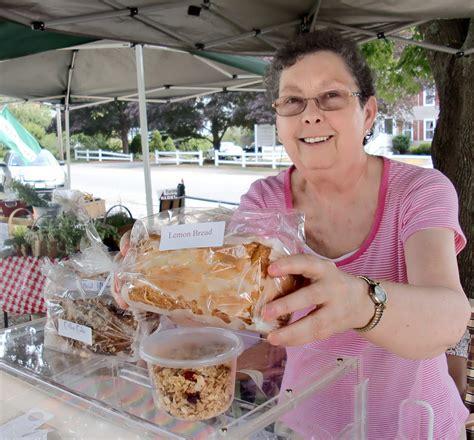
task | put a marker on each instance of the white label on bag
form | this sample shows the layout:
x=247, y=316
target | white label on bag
x=26, y=426
x=93, y=285
x=75, y=331
x=193, y=235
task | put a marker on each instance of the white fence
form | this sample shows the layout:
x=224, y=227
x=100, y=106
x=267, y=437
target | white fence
x=178, y=157
x=273, y=158
x=101, y=155
x=268, y=156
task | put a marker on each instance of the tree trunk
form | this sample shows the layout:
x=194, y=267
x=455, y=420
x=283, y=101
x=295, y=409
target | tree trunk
x=216, y=139
x=453, y=142
x=124, y=137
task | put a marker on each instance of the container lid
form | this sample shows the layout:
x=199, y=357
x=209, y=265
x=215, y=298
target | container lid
x=189, y=347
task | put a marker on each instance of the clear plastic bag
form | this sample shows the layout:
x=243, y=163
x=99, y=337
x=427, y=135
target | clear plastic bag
x=82, y=316
x=224, y=286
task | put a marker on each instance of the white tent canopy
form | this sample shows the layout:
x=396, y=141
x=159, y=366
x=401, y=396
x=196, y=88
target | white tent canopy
x=244, y=26
x=106, y=70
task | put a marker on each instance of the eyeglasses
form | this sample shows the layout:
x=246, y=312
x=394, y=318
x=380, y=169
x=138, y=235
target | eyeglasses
x=327, y=101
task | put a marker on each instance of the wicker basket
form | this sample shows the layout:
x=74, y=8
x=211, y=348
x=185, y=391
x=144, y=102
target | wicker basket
x=14, y=221
x=95, y=208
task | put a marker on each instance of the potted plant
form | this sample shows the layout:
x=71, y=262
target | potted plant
x=61, y=236
x=122, y=220
x=19, y=243
x=31, y=197
x=58, y=236
x=109, y=234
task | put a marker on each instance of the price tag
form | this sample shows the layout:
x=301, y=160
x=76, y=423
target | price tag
x=193, y=235
x=93, y=285
x=75, y=331
x=26, y=426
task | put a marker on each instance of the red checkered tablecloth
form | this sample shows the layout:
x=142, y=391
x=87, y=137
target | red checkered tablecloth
x=21, y=285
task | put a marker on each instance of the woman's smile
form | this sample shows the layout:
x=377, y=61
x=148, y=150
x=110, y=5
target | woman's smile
x=316, y=140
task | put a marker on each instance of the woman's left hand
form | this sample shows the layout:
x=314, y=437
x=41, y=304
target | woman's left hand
x=334, y=295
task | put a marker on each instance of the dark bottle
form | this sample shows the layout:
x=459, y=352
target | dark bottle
x=181, y=189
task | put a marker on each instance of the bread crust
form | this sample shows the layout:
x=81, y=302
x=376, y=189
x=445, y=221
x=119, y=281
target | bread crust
x=226, y=286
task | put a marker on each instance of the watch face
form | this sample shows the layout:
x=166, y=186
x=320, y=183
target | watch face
x=380, y=294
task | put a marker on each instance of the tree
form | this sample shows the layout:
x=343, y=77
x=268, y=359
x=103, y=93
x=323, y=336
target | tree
x=401, y=72
x=232, y=109
x=37, y=119
x=452, y=146
x=32, y=114
x=136, y=144
x=180, y=120
x=169, y=145
x=212, y=114
x=114, y=118
x=156, y=141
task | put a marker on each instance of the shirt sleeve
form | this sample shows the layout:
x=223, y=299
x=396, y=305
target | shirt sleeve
x=253, y=199
x=431, y=202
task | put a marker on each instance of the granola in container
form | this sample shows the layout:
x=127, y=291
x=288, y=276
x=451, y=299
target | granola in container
x=192, y=370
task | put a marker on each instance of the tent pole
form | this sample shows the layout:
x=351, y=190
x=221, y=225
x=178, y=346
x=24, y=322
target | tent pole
x=124, y=12
x=144, y=128
x=313, y=14
x=371, y=34
x=68, y=148
x=59, y=130
x=254, y=33
x=67, y=104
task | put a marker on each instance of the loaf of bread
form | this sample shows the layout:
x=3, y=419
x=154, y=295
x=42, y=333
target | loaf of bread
x=223, y=286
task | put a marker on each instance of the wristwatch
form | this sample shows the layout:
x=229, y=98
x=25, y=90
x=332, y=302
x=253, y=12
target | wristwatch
x=379, y=296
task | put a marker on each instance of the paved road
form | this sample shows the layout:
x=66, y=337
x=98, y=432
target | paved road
x=123, y=182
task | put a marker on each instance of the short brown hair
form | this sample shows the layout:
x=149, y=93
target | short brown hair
x=324, y=40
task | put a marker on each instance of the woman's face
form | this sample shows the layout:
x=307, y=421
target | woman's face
x=318, y=139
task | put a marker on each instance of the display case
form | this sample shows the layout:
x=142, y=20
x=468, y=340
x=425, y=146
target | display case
x=48, y=394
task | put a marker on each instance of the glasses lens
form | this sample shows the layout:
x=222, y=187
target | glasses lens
x=333, y=99
x=289, y=105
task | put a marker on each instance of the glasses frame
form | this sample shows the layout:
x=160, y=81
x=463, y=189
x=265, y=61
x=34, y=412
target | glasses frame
x=316, y=101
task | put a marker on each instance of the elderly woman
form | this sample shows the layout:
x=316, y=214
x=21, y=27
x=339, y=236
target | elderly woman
x=382, y=239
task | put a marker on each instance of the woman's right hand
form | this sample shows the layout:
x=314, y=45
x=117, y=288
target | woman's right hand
x=116, y=283
x=125, y=243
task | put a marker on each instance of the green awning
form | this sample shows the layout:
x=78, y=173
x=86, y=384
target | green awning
x=249, y=64
x=19, y=40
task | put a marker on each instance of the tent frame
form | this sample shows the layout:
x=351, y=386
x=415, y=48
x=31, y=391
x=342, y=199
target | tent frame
x=139, y=97
x=306, y=23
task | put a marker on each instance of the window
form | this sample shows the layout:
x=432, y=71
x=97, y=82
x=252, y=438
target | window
x=408, y=130
x=429, y=96
x=388, y=126
x=429, y=129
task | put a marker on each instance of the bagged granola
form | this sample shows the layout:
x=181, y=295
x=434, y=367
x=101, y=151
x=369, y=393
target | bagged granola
x=82, y=315
x=210, y=265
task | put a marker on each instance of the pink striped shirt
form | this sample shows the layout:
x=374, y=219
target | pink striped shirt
x=410, y=199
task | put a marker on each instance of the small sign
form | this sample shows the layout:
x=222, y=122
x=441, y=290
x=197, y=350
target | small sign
x=94, y=285
x=264, y=135
x=75, y=331
x=193, y=235
x=169, y=194
x=26, y=426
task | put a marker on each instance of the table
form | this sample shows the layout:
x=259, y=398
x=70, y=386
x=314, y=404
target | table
x=21, y=286
x=104, y=397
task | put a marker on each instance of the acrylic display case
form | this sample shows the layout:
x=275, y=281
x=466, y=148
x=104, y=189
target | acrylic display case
x=51, y=395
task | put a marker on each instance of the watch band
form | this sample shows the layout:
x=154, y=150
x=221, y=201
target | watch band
x=379, y=307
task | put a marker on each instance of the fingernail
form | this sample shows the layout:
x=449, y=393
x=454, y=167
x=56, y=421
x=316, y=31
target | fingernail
x=273, y=338
x=273, y=269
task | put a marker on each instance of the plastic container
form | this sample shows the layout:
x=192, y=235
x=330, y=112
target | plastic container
x=192, y=370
